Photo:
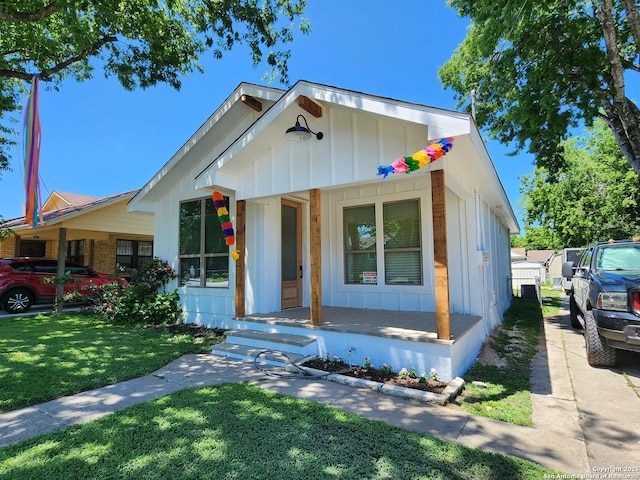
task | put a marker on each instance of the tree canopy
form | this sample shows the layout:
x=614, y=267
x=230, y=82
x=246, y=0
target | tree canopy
x=534, y=69
x=140, y=42
x=594, y=197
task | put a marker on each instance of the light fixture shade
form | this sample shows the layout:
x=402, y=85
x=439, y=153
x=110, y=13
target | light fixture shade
x=297, y=133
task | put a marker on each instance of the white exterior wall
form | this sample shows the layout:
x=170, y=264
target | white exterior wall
x=344, y=166
x=526, y=273
x=262, y=294
x=202, y=305
x=495, y=267
x=263, y=252
x=380, y=296
x=355, y=144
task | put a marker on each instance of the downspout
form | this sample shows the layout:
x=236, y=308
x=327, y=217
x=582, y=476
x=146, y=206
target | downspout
x=481, y=264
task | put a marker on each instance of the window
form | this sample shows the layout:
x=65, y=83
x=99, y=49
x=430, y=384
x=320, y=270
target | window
x=361, y=261
x=75, y=251
x=33, y=248
x=134, y=253
x=204, y=255
x=402, y=253
x=398, y=243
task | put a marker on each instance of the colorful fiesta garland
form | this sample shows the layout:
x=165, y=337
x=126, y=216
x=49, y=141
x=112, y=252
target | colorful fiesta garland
x=419, y=159
x=225, y=222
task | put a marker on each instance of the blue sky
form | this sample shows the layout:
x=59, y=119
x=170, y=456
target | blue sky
x=98, y=139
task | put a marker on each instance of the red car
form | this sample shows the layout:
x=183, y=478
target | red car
x=21, y=284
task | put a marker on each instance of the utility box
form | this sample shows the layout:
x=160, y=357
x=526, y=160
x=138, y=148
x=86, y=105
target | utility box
x=529, y=292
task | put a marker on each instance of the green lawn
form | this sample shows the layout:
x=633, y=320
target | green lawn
x=45, y=357
x=238, y=431
x=231, y=431
x=507, y=395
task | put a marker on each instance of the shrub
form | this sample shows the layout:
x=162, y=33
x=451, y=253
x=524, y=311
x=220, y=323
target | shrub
x=140, y=301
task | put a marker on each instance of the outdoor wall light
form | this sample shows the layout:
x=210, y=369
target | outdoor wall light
x=298, y=133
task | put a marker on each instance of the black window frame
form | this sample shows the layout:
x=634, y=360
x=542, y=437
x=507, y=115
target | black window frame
x=137, y=260
x=75, y=251
x=206, y=262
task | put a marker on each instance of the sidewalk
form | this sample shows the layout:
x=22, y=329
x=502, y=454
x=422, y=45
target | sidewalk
x=555, y=441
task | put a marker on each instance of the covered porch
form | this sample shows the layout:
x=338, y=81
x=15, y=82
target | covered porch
x=400, y=339
x=402, y=325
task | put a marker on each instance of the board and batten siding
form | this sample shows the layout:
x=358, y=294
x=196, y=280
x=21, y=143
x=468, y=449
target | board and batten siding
x=202, y=305
x=353, y=147
x=476, y=283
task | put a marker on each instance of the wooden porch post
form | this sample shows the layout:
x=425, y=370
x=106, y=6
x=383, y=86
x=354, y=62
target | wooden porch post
x=241, y=220
x=16, y=247
x=440, y=255
x=315, y=256
x=62, y=254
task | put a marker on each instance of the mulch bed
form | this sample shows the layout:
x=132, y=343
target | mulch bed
x=192, y=329
x=427, y=385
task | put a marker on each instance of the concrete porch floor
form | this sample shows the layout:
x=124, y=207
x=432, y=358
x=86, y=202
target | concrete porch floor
x=401, y=325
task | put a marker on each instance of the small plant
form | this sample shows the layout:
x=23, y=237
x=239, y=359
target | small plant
x=385, y=369
x=404, y=373
x=433, y=374
x=367, y=364
x=334, y=361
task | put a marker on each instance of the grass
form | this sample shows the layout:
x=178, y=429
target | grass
x=237, y=431
x=504, y=392
x=46, y=357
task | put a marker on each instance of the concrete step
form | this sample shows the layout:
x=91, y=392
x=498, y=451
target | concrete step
x=272, y=348
x=276, y=337
x=300, y=344
x=259, y=355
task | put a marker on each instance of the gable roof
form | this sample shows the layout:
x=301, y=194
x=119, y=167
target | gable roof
x=210, y=133
x=57, y=215
x=539, y=255
x=223, y=167
x=58, y=200
x=440, y=122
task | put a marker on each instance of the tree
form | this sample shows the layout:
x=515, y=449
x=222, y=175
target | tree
x=536, y=238
x=535, y=69
x=141, y=42
x=595, y=196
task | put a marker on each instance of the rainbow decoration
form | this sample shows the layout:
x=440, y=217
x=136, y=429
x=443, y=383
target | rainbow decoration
x=225, y=222
x=31, y=139
x=223, y=216
x=419, y=159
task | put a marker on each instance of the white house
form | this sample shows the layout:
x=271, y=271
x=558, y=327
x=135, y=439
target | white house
x=411, y=270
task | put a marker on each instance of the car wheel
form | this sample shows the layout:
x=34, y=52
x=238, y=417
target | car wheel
x=573, y=313
x=599, y=354
x=18, y=300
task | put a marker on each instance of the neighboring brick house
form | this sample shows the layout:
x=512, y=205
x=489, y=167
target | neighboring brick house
x=98, y=232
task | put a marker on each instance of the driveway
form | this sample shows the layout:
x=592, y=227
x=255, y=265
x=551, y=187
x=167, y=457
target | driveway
x=605, y=400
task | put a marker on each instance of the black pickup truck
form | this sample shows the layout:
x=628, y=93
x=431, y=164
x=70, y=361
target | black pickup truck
x=605, y=299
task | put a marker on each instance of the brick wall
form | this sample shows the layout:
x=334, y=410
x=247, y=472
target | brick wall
x=8, y=247
x=104, y=255
x=101, y=257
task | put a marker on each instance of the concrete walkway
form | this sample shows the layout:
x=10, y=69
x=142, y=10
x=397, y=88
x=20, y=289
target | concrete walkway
x=556, y=440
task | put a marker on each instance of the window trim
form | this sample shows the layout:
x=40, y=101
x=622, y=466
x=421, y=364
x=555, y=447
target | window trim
x=423, y=196
x=135, y=256
x=202, y=256
x=419, y=249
